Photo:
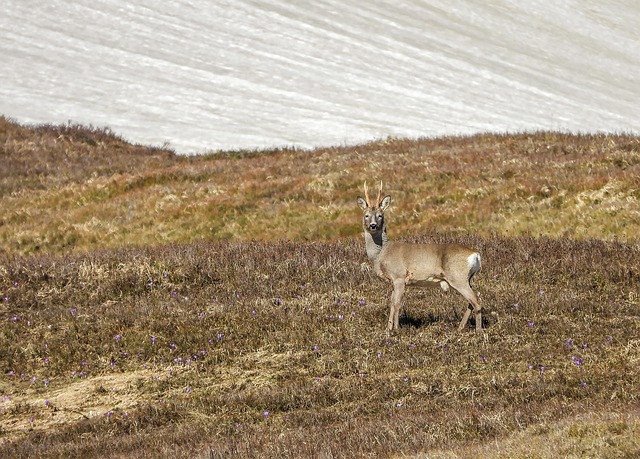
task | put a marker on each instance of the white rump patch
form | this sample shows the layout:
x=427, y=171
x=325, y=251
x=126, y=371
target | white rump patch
x=474, y=263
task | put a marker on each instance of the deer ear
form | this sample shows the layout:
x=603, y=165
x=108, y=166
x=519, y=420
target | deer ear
x=362, y=203
x=385, y=203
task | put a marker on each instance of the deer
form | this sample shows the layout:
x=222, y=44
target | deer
x=417, y=264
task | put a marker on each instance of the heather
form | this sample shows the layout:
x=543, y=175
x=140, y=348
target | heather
x=70, y=188
x=222, y=306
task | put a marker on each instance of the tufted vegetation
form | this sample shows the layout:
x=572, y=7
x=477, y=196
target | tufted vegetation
x=220, y=306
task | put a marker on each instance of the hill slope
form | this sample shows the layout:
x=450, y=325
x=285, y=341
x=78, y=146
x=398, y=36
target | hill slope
x=152, y=306
x=75, y=188
x=261, y=349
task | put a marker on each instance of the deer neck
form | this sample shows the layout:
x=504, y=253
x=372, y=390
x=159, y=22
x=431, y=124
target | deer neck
x=374, y=243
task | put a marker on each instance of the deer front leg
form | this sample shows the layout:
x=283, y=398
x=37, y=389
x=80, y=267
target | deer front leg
x=396, y=302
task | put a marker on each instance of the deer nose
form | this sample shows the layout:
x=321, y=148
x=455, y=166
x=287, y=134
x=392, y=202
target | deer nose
x=373, y=226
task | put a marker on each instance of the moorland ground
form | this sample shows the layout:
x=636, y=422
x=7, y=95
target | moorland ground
x=221, y=305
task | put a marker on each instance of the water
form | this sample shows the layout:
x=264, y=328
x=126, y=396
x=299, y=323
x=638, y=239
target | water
x=234, y=74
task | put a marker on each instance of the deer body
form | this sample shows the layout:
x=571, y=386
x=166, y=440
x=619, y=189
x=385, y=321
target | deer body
x=421, y=265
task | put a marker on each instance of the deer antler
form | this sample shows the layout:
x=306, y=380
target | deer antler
x=379, y=194
x=366, y=194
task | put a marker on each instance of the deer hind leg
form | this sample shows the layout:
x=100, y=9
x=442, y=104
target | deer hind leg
x=474, y=306
x=396, y=302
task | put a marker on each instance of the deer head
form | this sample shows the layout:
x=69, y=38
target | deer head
x=373, y=218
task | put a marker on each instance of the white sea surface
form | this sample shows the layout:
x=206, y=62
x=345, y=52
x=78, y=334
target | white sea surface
x=243, y=74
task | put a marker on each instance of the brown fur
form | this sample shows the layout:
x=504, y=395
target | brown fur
x=422, y=265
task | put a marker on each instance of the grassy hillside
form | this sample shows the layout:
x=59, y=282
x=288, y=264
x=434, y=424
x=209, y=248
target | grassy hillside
x=74, y=188
x=220, y=306
x=252, y=349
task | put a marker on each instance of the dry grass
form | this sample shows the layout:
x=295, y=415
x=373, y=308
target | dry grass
x=272, y=349
x=73, y=188
x=606, y=435
x=152, y=307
